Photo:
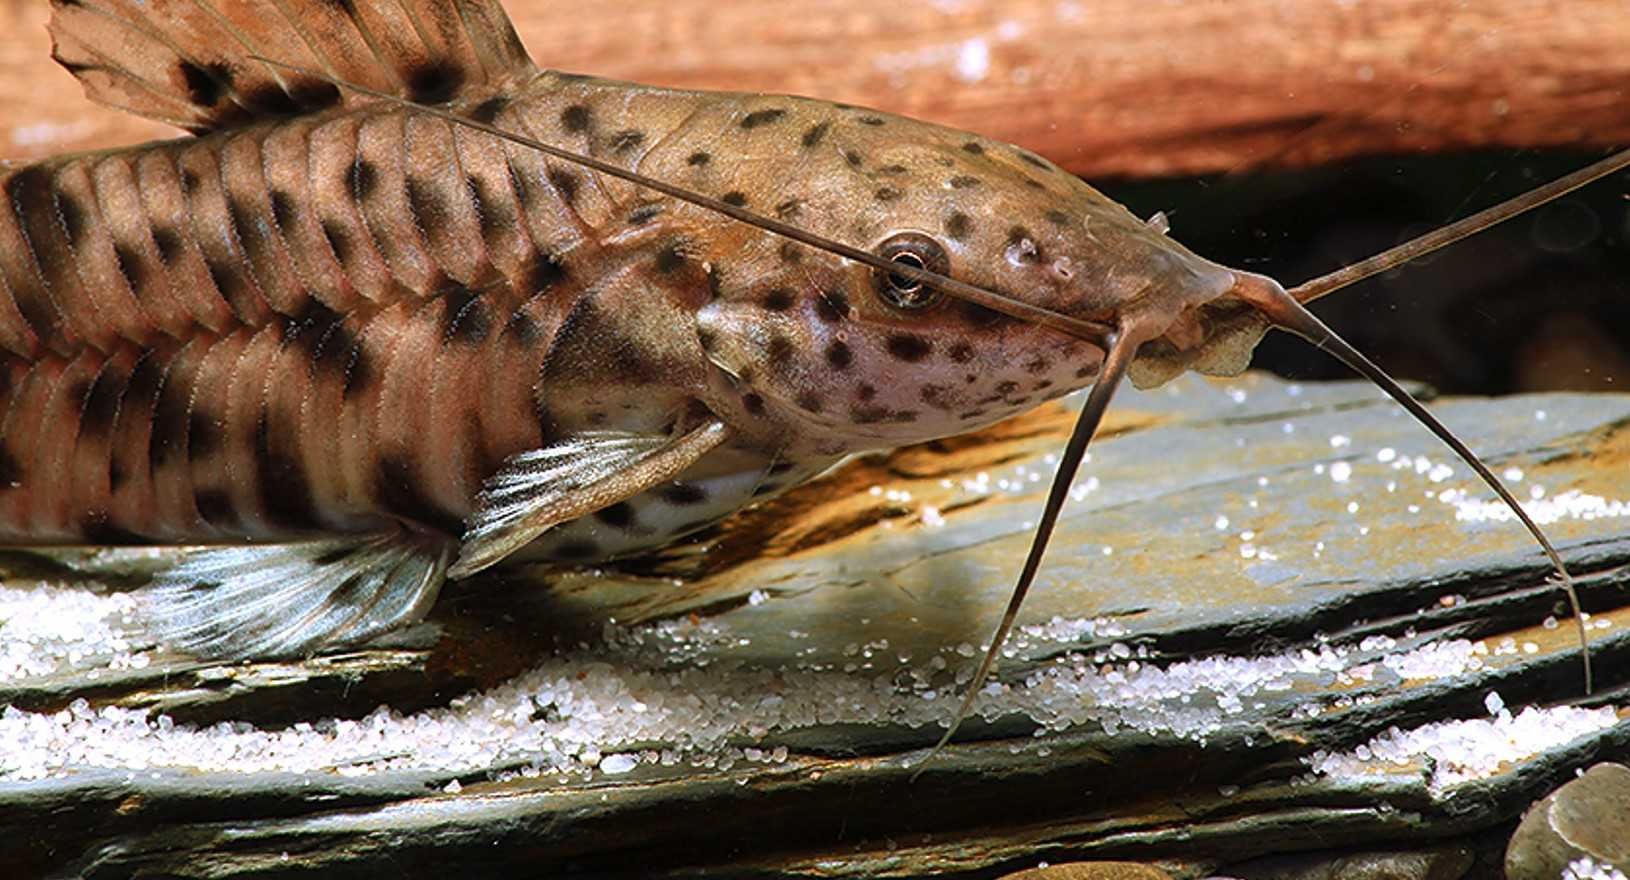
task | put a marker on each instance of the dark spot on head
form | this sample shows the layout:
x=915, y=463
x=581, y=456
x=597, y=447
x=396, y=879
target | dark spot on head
x=671, y=256
x=958, y=225
x=961, y=353
x=853, y=158
x=618, y=516
x=936, y=396
x=971, y=414
x=1022, y=246
x=870, y=120
x=1033, y=159
x=466, y=320
x=1057, y=217
x=886, y=194
x=168, y=244
x=753, y=403
x=682, y=494
x=433, y=83
x=338, y=240
x=779, y=299
x=779, y=350
x=1043, y=385
x=909, y=347
x=566, y=183
x=1037, y=364
x=839, y=355
x=790, y=252
x=575, y=118
x=488, y=110
x=832, y=305
x=893, y=169
x=735, y=197
x=978, y=316
x=762, y=117
x=974, y=147
x=364, y=178
x=626, y=140
x=1086, y=371
x=1006, y=388
x=206, y=83
x=129, y=266
x=964, y=181
x=644, y=213
x=866, y=391
x=809, y=401
x=815, y=133
x=698, y=159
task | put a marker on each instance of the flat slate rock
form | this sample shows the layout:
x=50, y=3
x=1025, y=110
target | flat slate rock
x=1274, y=618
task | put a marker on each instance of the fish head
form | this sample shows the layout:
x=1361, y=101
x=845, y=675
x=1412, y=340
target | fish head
x=811, y=345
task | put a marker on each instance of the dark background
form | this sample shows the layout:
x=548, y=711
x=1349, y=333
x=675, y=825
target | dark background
x=1541, y=302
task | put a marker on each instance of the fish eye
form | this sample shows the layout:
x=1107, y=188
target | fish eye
x=918, y=251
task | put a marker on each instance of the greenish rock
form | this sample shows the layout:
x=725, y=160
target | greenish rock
x=1588, y=817
x=1275, y=619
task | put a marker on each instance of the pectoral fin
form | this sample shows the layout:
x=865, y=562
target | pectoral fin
x=295, y=599
x=541, y=488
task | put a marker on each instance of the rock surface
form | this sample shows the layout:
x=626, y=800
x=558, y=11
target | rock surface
x=1275, y=618
x=1587, y=818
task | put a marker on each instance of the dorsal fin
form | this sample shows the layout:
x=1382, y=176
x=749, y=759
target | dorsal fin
x=193, y=63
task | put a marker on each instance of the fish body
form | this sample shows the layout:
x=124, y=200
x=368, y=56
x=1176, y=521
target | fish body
x=363, y=346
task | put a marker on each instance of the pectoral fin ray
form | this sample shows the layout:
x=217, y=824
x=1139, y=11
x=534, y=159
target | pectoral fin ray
x=541, y=488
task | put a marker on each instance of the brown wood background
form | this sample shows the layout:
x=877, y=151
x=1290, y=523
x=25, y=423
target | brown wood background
x=1104, y=87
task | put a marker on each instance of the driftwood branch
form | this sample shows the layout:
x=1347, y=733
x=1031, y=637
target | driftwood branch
x=1116, y=87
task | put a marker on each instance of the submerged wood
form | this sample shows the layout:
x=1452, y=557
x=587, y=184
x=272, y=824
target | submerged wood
x=1215, y=523
x=1121, y=88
